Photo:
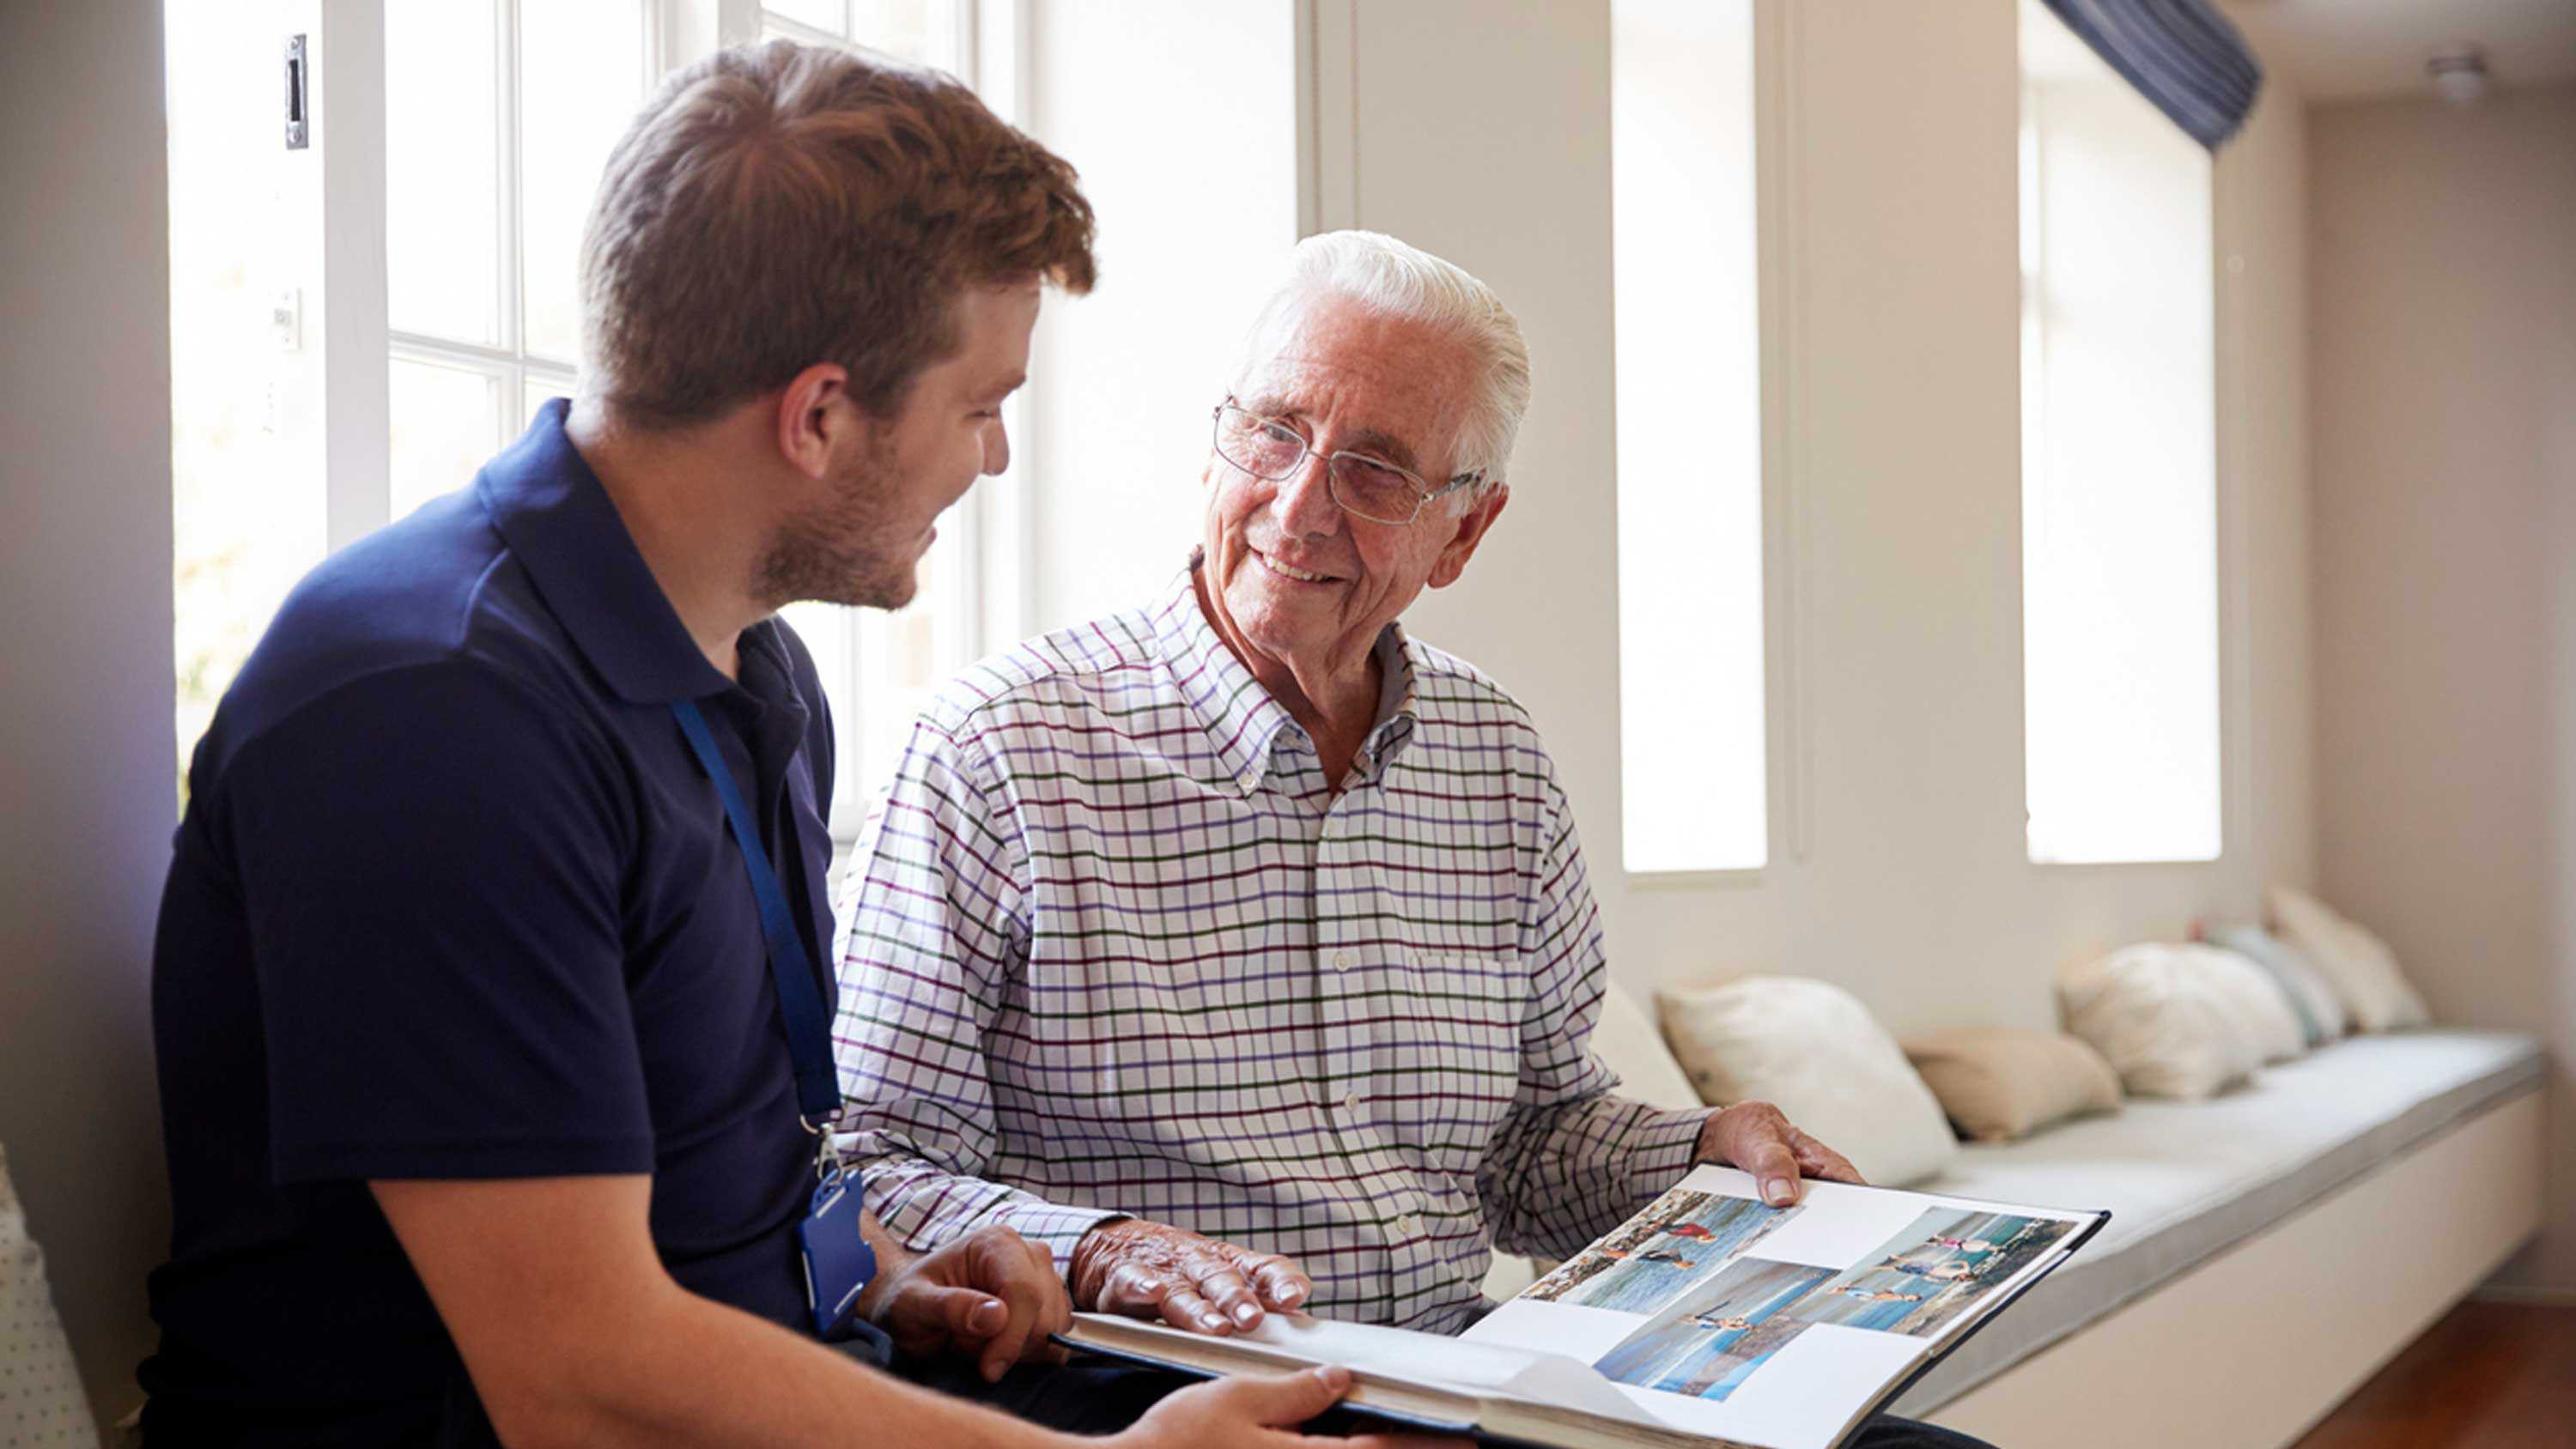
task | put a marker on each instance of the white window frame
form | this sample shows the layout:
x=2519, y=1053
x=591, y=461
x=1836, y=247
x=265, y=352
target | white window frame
x=340, y=213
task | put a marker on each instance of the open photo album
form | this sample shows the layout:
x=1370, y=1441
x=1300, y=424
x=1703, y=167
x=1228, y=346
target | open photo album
x=1707, y=1319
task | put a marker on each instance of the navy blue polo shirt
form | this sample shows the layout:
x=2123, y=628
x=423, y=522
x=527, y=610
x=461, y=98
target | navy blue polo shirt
x=453, y=899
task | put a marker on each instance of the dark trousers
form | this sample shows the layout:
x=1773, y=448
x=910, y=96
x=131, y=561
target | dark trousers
x=1096, y=1396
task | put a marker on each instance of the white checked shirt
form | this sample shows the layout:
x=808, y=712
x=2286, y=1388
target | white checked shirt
x=1113, y=946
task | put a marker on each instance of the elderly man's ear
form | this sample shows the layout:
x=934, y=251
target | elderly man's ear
x=1471, y=531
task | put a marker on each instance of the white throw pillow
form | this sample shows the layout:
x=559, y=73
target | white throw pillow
x=2258, y=1002
x=41, y=1401
x=2160, y=1019
x=2364, y=971
x=1811, y=1050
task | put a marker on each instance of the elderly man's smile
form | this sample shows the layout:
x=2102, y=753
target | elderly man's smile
x=1294, y=575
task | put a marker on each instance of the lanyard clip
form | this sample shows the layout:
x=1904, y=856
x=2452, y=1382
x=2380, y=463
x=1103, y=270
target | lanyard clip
x=827, y=1161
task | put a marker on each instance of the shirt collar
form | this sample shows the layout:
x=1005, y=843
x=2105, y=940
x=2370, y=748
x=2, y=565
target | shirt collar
x=1396, y=714
x=558, y=520
x=1240, y=719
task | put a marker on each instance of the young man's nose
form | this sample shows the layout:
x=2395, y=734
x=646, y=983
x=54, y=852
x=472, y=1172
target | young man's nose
x=997, y=449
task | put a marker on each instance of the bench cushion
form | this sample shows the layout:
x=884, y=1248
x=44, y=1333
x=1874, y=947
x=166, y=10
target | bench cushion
x=2186, y=1180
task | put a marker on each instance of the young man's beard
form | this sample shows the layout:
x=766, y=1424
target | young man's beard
x=839, y=551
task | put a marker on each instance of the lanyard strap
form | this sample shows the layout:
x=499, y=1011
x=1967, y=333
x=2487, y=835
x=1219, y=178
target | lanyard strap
x=800, y=1000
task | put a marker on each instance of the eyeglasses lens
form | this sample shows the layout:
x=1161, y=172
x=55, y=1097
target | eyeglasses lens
x=1373, y=491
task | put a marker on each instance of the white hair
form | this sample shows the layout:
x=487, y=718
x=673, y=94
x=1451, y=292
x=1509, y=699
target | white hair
x=1390, y=278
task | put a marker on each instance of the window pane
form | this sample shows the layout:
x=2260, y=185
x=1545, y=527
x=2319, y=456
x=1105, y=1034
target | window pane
x=581, y=77
x=821, y=14
x=902, y=657
x=923, y=32
x=446, y=423
x=538, y=392
x=1687, y=298
x=442, y=170
x=826, y=630
x=2119, y=468
x=901, y=27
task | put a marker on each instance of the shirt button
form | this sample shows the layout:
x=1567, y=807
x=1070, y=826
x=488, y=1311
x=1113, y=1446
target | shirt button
x=1341, y=960
x=1351, y=1103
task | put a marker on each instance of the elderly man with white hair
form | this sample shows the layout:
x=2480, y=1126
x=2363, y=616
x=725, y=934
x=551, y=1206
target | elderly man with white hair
x=1238, y=948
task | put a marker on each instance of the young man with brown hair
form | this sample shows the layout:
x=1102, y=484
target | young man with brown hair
x=473, y=1007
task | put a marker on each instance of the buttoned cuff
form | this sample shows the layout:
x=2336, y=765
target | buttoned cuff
x=1057, y=1227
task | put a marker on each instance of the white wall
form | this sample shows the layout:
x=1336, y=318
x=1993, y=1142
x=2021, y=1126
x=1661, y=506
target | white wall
x=1898, y=862
x=2445, y=442
x=86, y=734
x=1182, y=119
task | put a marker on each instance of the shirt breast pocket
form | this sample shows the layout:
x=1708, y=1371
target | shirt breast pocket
x=1457, y=1052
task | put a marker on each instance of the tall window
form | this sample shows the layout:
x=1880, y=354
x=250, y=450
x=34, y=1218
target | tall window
x=497, y=118
x=1690, y=436
x=2119, y=467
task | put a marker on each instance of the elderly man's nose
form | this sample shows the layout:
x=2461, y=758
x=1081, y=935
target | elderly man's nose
x=1304, y=501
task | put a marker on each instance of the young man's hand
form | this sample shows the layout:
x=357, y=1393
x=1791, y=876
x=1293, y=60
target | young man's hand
x=991, y=1295
x=1154, y=1270
x=1258, y=1412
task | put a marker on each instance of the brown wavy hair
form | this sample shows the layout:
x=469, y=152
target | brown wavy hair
x=779, y=205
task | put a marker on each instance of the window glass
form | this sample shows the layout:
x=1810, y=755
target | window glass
x=443, y=234
x=247, y=521
x=829, y=15
x=920, y=31
x=581, y=78
x=2119, y=467
x=900, y=27
x=1692, y=746
x=446, y=424
x=536, y=393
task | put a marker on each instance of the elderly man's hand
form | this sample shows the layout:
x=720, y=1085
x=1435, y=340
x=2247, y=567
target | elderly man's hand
x=1756, y=1137
x=1150, y=1270
x=991, y=1294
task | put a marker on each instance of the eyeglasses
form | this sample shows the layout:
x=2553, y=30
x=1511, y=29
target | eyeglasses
x=1365, y=487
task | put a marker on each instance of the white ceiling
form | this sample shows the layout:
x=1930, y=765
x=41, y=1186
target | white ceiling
x=2334, y=50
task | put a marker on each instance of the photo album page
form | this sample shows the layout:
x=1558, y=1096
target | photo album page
x=1724, y=1317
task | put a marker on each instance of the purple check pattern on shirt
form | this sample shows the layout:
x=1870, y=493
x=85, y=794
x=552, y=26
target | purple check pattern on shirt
x=1111, y=946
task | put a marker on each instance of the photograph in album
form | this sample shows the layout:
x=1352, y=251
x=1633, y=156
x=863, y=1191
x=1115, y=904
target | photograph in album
x=1928, y=1275
x=1726, y=1330
x=1681, y=1239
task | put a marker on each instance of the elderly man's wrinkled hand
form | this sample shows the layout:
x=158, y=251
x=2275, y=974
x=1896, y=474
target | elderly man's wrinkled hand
x=991, y=1295
x=1756, y=1137
x=1152, y=1270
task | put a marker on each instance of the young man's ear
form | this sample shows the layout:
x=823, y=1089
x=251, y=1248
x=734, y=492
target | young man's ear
x=1471, y=531
x=813, y=413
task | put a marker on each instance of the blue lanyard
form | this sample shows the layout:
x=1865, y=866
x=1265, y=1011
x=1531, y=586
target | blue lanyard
x=800, y=1000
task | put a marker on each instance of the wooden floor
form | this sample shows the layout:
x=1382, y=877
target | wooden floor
x=2488, y=1375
